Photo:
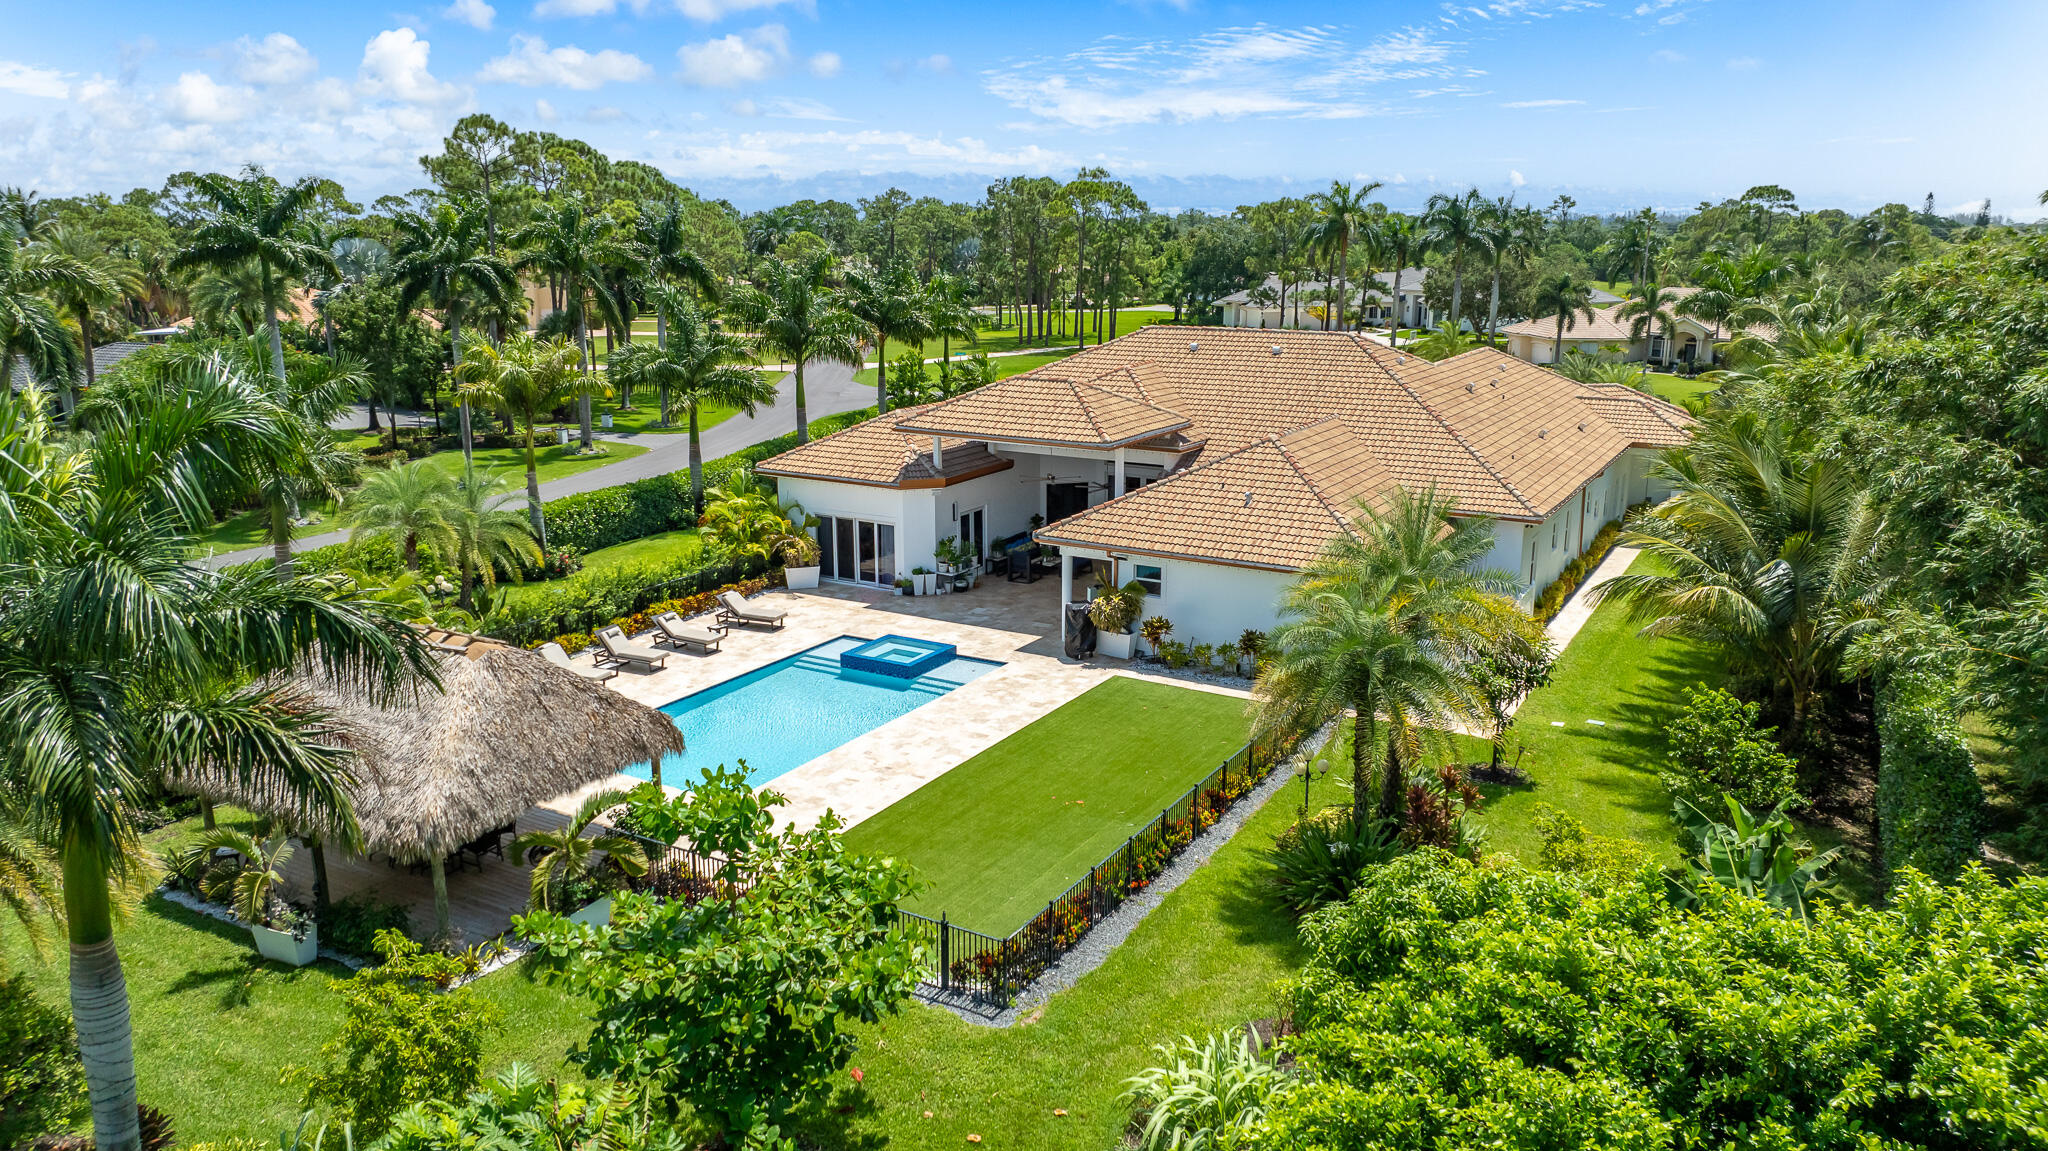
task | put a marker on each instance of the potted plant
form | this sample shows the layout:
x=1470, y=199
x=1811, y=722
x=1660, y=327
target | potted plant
x=1113, y=611
x=1155, y=630
x=237, y=869
x=800, y=560
x=1251, y=644
x=904, y=585
x=924, y=580
x=956, y=562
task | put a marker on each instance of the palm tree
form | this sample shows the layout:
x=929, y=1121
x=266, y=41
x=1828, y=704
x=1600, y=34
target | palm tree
x=1649, y=308
x=1406, y=240
x=108, y=632
x=1443, y=342
x=1376, y=626
x=1453, y=222
x=1568, y=297
x=567, y=852
x=484, y=533
x=1508, y=234
x=1340, y=214
x=28, y=874
x=699, y=364
x=1770, y=557
x=890, y=306
x=525, y=377
x=409, y=503
x=578, y=248
x=257, y=219
x=99, y=280
x=663, y=238
x=230, y=298
x=32, y=279
x=445, y=258
x=795, y=315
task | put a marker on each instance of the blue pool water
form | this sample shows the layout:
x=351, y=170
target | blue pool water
x=794, y=710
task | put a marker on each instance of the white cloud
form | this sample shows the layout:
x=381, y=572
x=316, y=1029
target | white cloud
x=275, y=59
x=1516, y=178
x=395, y=66
x=1541, y=103
x=824, y=65
x=708, y=11
x=604, y=114
x=27, y=81
x=795, y=109
x=584, y=7
x=545, y=111
x=474, y=13
x=198, y=98
x=938, y=62
x=792, y=153
x=1744, y=64
x=736, y=58
x=1667, y=56
x=533, y=64
x=744, y=108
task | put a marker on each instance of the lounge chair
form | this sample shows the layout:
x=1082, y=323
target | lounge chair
x=734, y=609
x=618, y=649
x=554, y=654
x=674, y=631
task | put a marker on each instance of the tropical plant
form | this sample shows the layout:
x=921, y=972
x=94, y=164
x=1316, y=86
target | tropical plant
x=1341, y=214
x=1405, y=240
x=42, y=1087
x=579, y=249
x=1115, y=609
x=32, y=327
x=1323, y=858
x=247, y=880
x=1718, y=748
x=1757, y=856
x=1567, y=297
x=28, y=875
x=1204, y=1094
x=95, y=281
x=359, y=261
x=518, y=1109
x=945, y=302
x=1649, y=308
x=698, y=364
x=409, y=504
x=485, y=534
x=526, y=378
x=795, y=315
x=1452, y=222
x=1514, y=657
x=1587, y=369
x=1376, y=625
x=890, y=306
x=445, y=259
x=1444, y=341
x=258, y=220
x=662, y=240
x=1155, y=629
x=1767, y=555
x=107, y=628
x=746, y=520
x=568, y=855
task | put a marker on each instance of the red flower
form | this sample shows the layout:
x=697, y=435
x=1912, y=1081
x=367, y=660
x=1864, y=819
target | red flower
x=857, y=1076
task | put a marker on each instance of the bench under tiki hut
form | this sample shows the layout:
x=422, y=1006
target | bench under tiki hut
x=434, y=770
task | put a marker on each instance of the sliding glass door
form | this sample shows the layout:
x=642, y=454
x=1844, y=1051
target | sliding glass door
x=857, y=551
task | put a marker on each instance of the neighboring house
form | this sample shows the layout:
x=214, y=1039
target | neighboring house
x=1213, y=464
x=1260, y=307
x=103, y=357
x=1692, y=341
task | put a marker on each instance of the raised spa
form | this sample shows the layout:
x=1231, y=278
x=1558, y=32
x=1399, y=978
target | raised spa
x=897, y=655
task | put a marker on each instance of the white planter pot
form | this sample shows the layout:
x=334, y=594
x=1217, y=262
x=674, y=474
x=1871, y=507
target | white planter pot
x=598, y=913
x=280, y=947
x=1115, y=645
x=801, y=578
x=896, y=591
x=926, y=582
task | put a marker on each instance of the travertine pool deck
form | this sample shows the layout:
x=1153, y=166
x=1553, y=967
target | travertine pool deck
x=1014, y=624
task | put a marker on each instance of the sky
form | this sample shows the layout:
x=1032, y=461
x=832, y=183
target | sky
x=1620, y=104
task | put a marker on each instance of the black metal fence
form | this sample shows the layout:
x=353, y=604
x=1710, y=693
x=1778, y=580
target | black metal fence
x=991, y=969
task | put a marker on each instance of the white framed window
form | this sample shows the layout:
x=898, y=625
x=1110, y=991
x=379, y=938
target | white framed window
x=1151, y=578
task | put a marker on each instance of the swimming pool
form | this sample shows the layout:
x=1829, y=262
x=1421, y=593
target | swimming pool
x=794, y=710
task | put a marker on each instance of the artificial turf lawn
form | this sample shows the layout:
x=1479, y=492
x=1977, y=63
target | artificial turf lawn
x=1000, y=835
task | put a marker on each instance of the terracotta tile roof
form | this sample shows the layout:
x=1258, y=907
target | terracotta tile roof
x=873, y=452
x=1039, y=409
x=1603, y=326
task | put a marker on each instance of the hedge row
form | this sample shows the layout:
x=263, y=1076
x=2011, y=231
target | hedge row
x=615, y=515
x=685, y=606
x=1930, y=807
x=597, y=596
x=1551, y=601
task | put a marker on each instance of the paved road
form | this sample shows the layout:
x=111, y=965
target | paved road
x=828, y=389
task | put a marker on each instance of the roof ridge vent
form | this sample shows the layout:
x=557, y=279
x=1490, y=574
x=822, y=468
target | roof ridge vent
x=1470, y=387
x=1276, y=349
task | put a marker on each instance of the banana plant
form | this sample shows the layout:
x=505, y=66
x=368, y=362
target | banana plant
x=1757, y=856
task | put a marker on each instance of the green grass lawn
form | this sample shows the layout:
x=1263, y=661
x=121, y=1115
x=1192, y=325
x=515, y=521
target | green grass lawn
x=660, y=546
x=1678, y=389
x=552, y=462
x=251, y=529
x=1010, y=829
x=1006, y=367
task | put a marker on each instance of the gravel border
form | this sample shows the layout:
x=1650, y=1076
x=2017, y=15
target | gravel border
x=500, y=957
x=1093, y=949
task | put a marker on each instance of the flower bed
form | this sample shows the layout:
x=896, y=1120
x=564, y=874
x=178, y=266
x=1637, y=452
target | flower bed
x=642, y=620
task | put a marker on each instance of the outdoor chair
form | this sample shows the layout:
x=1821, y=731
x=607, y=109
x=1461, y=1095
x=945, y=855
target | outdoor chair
x=618, y=649
x=733, y=609
x=673, y=630
x=491, y=842
x=555, y=654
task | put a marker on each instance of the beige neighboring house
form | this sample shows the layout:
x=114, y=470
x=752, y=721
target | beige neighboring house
x=1213, y=464
x=1377, y=304
x=1692, y=341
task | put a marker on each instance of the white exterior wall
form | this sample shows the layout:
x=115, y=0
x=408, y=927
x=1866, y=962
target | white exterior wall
x=1211, y=603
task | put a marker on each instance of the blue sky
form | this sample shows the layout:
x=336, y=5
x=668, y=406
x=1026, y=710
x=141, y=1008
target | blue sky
x=1620, y=103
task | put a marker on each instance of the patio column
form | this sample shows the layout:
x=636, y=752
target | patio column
x=440, y=896
x=1066, y=592
x=1119, y=490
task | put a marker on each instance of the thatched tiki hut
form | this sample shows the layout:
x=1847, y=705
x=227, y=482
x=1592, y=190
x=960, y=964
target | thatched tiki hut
x=508, y=730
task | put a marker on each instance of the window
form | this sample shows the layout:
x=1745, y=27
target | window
x=1151, y=578
x=857, y=551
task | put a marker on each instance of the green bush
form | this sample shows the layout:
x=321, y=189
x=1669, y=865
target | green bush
x=596, y=596
x=1717, y=749
x=1569, y=848
x=351, y=925
x=1204, y=1093
x=42, y=1084
x=1930, y=806
x=1551, y=600
x=1447, y=1005
x=1324, y=858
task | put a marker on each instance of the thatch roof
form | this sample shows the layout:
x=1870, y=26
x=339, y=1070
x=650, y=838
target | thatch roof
x=507, y=730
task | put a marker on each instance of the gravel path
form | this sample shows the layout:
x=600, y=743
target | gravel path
x=1094, y=948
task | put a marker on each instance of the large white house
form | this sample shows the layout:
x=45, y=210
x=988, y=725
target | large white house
x=1692, y=341
x=1273, y=305
x=1213, y=464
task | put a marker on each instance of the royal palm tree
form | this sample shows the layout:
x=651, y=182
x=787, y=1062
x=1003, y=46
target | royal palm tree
x=1770, y=556
x=409, y=504
x=109, y=636
x=700, y=364
x=1376, y=626
x=484, y=533
x=1567, y=297
x=261, y=221
x=1453, y=223
x=445, y=259
x=1405, y=241
x=525, y=377
x=311, y=465
x=663, y=239
x=1650, y=308
x=570, y=851
x=580, y=249
x=98, y=281
x=29, y=889
x=890, y=306
x=1341, y=214
x=795, y=314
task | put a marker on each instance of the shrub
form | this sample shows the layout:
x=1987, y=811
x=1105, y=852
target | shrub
x=1717, y=749
x=353, y=924
x=1156, y=629
x=1930, y=806
x=1204, y=1094
x=1567, y=847
x=1116, y=609
x=1551, y=600
x=42, y=1083
x=598, y=596
x=1325, y=858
